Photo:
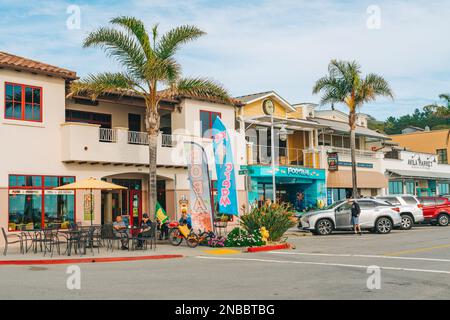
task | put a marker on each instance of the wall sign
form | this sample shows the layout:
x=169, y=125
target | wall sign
x=333, y=161
x=421, y=161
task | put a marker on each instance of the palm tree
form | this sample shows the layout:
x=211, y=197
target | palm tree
x=440, y=110
x=344, y=84
x=148, y=61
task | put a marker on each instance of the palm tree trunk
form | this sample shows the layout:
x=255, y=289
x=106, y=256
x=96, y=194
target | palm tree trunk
x=352, y=121
x=152, y=190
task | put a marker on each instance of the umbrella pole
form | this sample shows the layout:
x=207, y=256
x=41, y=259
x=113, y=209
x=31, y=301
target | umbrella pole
x=92, y=209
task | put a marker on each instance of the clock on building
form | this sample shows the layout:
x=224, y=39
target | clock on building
x=268, y=107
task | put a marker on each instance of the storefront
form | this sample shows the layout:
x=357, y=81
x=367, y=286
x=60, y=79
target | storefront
x=33, y=204
x=416, y=173
x=291, y=183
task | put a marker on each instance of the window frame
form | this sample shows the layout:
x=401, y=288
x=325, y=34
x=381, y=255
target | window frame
x=210, y=113
x=23, y=102
x=441, y=153
x=42, y=189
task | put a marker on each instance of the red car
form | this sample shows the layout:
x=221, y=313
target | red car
x=436, y=210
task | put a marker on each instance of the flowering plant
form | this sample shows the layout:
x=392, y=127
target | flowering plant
x=217, y=242
x=241, y=238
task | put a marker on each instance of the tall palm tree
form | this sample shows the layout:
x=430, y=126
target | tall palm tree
x=148, y=61
x=441, y=110
x=345, y=84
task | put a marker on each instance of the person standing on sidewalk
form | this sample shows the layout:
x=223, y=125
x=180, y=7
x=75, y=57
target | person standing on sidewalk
x=356, y=211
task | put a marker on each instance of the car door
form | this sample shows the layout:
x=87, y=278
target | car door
x=343, y=215
x=428, y=207
x=368, y=210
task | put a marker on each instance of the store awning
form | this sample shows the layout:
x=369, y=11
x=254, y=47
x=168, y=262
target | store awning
x=365, y=179
x=419, y=174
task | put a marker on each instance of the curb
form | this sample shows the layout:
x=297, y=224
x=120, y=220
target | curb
x=269, y=248
x=88, y=260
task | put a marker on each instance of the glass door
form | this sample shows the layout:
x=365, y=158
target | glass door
x=135, y=207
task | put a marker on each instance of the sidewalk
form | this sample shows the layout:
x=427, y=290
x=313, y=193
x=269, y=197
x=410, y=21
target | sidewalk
x=163, y=250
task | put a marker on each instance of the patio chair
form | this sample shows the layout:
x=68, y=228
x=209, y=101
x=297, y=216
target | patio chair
x=8, y=240
x=107, y=234
x=149, y=237
x=50, y=240
x=93, y=238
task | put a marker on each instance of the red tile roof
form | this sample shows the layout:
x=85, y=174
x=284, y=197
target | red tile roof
x=11, y=61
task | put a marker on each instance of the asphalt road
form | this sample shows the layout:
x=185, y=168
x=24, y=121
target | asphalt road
x=413, y=265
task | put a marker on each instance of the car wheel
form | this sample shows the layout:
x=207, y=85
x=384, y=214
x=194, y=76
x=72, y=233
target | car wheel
x=407, y=222
x=443, y=220
x=324, y=227
x=383, y=225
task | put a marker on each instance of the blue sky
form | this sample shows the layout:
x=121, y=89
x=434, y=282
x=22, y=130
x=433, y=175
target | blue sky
x=254, y=46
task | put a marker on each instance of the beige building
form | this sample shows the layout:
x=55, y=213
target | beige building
x=50, y=141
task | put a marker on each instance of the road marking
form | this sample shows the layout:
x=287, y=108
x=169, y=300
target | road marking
x=398, y=253
x=359, y=256
x=326, y=264
x=221, y=251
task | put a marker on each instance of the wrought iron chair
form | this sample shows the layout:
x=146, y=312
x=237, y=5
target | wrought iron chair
x=8, y=240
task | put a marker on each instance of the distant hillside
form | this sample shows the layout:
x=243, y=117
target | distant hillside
x=420, y=119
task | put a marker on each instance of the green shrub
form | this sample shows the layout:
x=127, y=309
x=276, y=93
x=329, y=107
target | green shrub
x=241, y=238
x=276, y=218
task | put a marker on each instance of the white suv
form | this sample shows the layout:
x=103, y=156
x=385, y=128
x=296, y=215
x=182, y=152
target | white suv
x=410, y=208
x=376, y=216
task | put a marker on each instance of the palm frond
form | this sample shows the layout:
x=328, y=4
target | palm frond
x=173, y=39
x=119, y=45
x=103, y=83
x=137, y=28
x=201, y=88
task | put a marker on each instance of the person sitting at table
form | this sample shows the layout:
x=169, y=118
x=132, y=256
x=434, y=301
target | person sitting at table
x=121, y=231
x=146, y=227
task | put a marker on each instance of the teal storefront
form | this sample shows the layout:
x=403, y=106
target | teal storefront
x=290, y=181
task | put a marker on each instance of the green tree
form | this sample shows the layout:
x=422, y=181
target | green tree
x=439, y=109
x=345, y=84
x=148, y=62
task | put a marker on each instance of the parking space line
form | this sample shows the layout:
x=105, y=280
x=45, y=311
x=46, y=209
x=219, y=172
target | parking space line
x=327, y=264
x=360, y=256
x=398, y=253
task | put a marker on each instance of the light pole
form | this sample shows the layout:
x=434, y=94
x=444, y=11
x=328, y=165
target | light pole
x=272, y=154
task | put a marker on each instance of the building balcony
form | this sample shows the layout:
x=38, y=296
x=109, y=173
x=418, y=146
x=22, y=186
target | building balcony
x=261, y=155
x=367, y=159
x=87, y=143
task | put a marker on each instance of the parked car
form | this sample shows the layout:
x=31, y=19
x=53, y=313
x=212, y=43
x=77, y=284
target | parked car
x=376, y=216
x=436, y=210
x=410, y=208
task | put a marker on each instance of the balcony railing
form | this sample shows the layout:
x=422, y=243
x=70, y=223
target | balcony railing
x=107, y=135
x=358, y=152
x=261, y=155
x=135, y=137
x=167, y=141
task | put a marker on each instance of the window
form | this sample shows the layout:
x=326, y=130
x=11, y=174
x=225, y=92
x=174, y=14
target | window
x=392, y=200
x=427, y=201
x=366, y=204
x=444, y=188
x=410, y=200
x=23, y=102
x=410, y=187
x=207, y=119
x=395, y=187
x=442, y=156
x=34, y=204
x=103, y=119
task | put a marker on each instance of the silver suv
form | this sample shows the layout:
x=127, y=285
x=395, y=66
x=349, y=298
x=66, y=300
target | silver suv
x=376, y=216
x=410, y=208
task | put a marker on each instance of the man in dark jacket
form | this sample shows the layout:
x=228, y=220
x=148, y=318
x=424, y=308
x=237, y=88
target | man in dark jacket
x=356, y=211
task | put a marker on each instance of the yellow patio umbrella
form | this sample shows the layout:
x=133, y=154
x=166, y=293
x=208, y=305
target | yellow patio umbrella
x=91, y=184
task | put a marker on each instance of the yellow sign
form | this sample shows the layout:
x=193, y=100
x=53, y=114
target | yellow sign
x=89, y=206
